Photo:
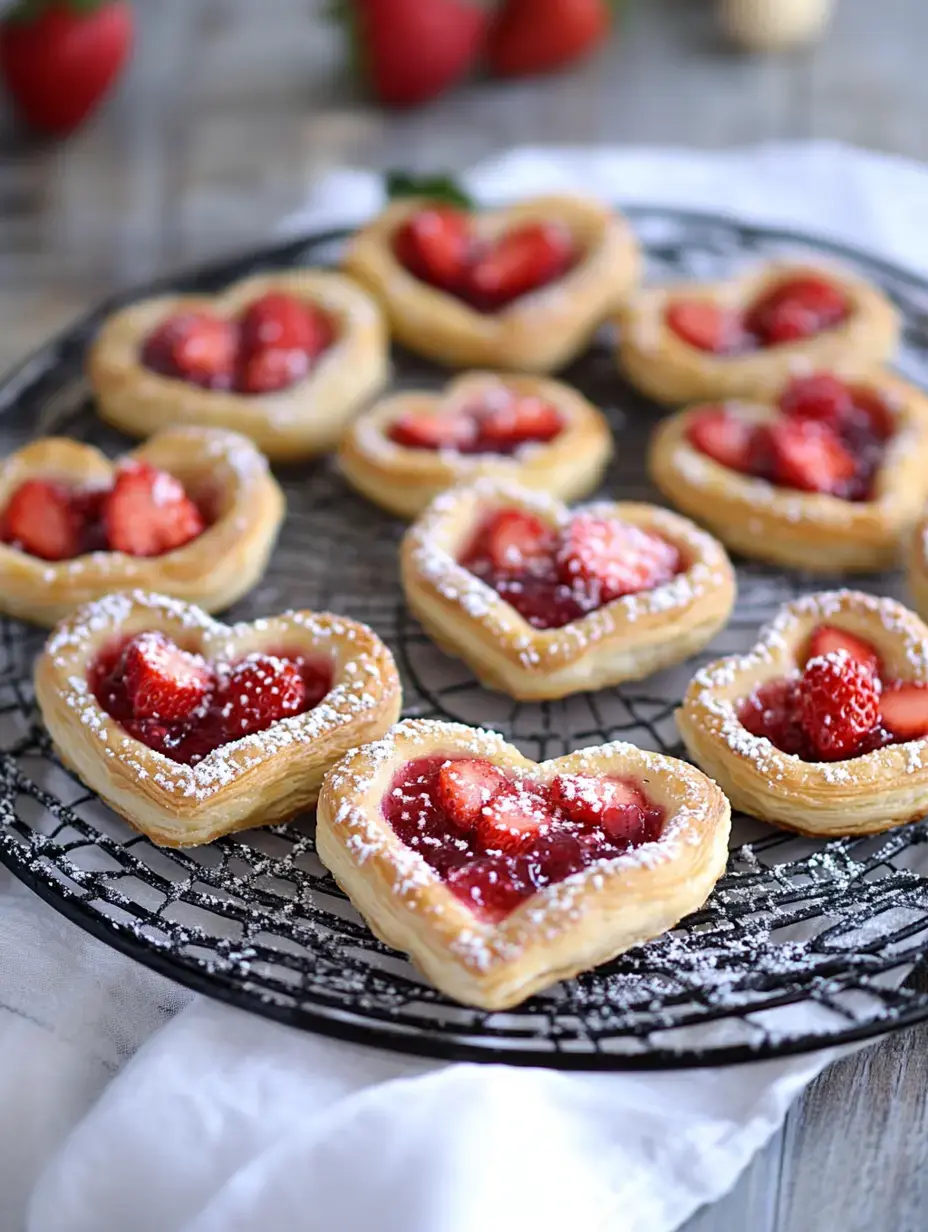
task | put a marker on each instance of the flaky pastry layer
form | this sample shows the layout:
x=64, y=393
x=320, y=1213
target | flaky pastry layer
x=257, y=780
x=561, y=930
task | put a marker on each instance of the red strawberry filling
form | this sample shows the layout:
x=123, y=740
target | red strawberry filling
x=271, y=346
x=831, y=438
x=502, y=423
x=146, y=512
x=839, y=706
x=554, y=577
x=496, y=838
x=439, y=246
x=184, y=707
x=795, y=309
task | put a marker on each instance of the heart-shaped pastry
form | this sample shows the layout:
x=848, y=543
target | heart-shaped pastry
x=194, y=513
x=823, y=727
x=695, y=342
x=830, y=477
x=191, y=729
x=536, y=432
x=917, y=566
x=285, y=358
x=542, y=602
x=500, y=876
x=521, y=288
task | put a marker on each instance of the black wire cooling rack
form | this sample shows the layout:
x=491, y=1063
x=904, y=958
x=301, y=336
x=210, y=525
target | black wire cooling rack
x=802, y=944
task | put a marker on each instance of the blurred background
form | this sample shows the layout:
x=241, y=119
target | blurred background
x=226, y=111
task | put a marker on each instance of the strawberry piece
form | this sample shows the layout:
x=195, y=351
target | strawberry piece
x=826, y=639
x=281, y=322
x=704, y=325
x=42, y=520
x=257, y=692
x=519, y=421
x=821, y=397
x=619, y=807
x=271, y=370
x=433, y=431
x=540, y=36
x=809, y=456
x=489, y=886
x=772, y=710
x=513, y=539
x=726, y=438
x=839, y=705
x=161, y=680
x=520, y=261
x=904, y=709
x=798, y=308
x=148, y=513
x=511, y=819
x=464, y=787
x=196, y=347
x=435, y=245
x=612, y=558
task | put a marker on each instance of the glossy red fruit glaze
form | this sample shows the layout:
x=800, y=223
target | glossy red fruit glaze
x=796, y=309
x=435, y=245
x=772, y=711
x=500, y=427
x=554, y=578
x=196, y=347
x=706, y=325
x=182, y=707
x=521, y=838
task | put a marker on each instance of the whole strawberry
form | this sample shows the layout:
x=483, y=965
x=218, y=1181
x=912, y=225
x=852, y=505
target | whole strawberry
x=539, y=36
x=58, y=58
x=839, y=704
x=412, y=50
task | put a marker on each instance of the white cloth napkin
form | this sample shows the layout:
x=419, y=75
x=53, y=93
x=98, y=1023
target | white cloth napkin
x=222, y=1122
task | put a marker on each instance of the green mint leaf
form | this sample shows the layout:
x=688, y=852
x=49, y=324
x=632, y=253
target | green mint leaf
x=435, y=187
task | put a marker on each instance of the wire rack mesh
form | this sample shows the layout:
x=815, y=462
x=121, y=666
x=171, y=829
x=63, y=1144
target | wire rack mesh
x=801, y=945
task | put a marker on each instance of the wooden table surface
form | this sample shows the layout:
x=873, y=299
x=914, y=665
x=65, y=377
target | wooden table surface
x=231, y=110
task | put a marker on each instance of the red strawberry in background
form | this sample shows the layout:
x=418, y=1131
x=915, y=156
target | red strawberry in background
x=538, y=36
x=58, y=58
x=413, y=50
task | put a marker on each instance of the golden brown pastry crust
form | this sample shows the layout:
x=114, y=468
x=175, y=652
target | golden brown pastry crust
x=665, y=367
x=626, y=639
x=306, y=419
x=540, y=332
x=404, y=480
x=214, y=570
x=807, y=530
x=916, y=562
x=560, y=931
x=258, y=780
x=864, y=795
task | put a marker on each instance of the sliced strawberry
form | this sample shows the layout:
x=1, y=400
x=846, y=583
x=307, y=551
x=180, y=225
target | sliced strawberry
x=827, y=639
x=798, y=308
x=619, y=807
x=724, y=437
x=820, y=396
x=614, y=558
x=511, y=819
x=519, y=421
x=281, y=322
x=42, y=520
x=704, y=325
x=162, y=681
x=271, y=370
x=193, y=346
x=513, y=539
x=433, y=431
x=148, y=513
x=839, y=705
x=904, y=709
x=809, y=456
x=257, y=692
x=435, y=245
x=520, y=261
x=464, y=787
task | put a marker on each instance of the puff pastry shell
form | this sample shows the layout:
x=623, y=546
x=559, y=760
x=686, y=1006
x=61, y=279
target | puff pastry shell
x=864, y=795
x=214, y=570
x=539, y=332
x=667, y=368
x=626, y=639
x=561, y=930
x=404, y=481
x=807, y=530
x=305, y=419
x=258, y=780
